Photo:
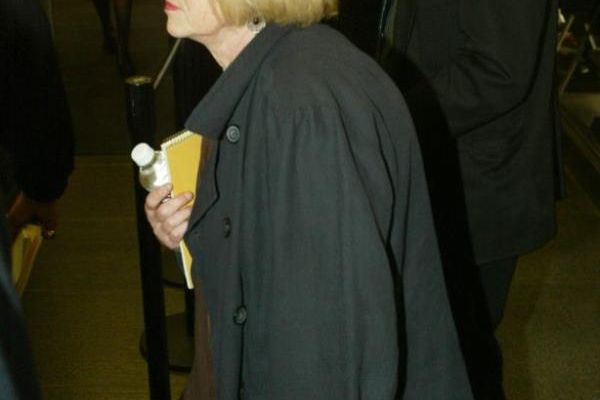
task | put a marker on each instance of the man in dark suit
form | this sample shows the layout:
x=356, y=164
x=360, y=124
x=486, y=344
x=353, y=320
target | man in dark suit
x=478, y=78
x=490, y=65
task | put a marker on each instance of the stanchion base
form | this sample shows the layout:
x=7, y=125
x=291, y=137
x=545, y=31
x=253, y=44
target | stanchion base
x=180, y=344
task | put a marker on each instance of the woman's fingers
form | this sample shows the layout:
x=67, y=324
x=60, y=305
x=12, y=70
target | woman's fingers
x=176, y=219
x=170, y=207
x=176, y=236
x=170, y=232
x=157, y=196
x=168, y=216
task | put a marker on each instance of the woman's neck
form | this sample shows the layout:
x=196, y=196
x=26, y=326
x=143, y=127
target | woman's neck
x=226, y=44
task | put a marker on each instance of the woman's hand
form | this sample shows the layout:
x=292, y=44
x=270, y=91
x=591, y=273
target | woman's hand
x=28, y=211
x=168, y=216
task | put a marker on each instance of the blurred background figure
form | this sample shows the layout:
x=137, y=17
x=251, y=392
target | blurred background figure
x=116, y=41
x=36, y=135
x=36, y=159
x=17, y=376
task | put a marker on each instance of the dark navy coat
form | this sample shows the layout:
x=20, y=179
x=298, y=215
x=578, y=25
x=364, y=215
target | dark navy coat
x=312, y=233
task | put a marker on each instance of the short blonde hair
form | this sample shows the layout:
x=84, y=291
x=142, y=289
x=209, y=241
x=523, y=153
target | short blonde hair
x=284, y=12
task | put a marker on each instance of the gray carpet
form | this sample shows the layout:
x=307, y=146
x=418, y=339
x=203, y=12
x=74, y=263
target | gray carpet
x=551, y=329
x=83, y=301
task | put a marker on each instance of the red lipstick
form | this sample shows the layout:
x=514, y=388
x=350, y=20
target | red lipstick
x=170, y=6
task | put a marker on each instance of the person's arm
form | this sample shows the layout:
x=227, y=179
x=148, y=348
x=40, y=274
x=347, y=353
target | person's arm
x=42, y=129
x=435, y=367
x=332, y=320
x=37, y=133
x=349, y=209
x=492, y=71
x=25, y=210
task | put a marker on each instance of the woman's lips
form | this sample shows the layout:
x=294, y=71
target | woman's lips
x=170, y=6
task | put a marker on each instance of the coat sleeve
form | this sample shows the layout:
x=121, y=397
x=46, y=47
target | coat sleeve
x=37, y=131
x=492, y=69
x=434, y=366
x=336, y=327
x=331, y=326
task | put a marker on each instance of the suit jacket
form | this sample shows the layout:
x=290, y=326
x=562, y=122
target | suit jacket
x=489, y=66
x=312, y=234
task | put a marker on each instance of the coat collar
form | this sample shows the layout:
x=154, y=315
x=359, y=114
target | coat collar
x=211, y=115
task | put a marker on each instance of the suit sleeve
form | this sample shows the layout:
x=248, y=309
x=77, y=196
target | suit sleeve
x=493, y=67
x=38, y=132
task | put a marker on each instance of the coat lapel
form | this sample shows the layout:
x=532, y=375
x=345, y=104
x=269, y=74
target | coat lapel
x=211, y=116
x=206, y=191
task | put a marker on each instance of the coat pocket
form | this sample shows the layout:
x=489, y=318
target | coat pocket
x=493, y=145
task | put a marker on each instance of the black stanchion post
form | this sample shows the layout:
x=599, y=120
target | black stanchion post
x=189, y=314
x=194, y=72
x=141, y=120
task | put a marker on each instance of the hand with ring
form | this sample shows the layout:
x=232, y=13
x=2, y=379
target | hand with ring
x=25, y=210
x=169, y=219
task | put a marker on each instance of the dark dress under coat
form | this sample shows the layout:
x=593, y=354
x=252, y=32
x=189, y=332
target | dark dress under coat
x=312, y=233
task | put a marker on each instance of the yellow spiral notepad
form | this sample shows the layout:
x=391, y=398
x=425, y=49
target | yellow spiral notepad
x=183, y=152
x=24, y=251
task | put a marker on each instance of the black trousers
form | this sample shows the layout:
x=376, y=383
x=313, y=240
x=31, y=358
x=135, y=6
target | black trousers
x=478, y=295
x=496, y=277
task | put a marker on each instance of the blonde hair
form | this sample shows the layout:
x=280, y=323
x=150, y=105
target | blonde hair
x=284, y=12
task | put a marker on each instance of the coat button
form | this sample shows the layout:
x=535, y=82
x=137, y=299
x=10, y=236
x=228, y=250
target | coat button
x=226, y=227
x=240, y=315
x=233, y=134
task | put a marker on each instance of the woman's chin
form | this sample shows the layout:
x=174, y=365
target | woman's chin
x=174, y=32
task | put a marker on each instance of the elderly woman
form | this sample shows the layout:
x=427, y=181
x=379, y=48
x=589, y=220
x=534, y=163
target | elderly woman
x=311, y=232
